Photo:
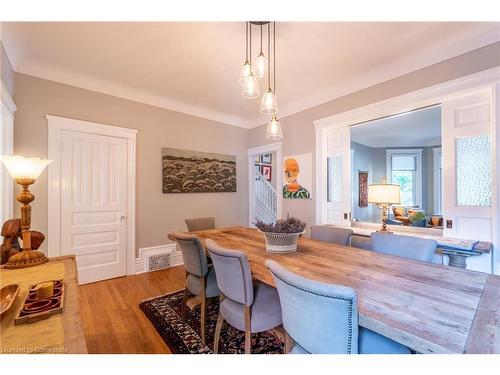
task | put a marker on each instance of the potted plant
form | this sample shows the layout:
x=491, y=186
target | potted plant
x=281, y=236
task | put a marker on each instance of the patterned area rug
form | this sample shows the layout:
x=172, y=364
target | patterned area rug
x=183, y=336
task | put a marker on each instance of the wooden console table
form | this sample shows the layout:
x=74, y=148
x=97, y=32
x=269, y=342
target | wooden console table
x=61, y=333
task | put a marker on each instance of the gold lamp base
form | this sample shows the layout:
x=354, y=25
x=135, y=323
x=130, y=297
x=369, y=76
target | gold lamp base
x=26, y=258
x=384, y=231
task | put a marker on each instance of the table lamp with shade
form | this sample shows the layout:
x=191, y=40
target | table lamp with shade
x=25, y=172
x=383, y=195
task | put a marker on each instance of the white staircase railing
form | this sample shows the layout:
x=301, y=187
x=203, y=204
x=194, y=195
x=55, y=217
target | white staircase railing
x=265, y=194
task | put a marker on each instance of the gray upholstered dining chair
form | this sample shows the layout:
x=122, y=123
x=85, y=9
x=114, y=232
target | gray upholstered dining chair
x=416, y=248
x=322, y=318
x=201, y=280
x=200, y=223
x=247, y=307
x=328, y=233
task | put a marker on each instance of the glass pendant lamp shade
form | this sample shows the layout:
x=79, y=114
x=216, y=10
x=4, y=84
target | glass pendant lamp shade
x=246, y=69
x=250, y=87
x=269, y=104
x=260, y=67
x=274, y=131
x=21, y=168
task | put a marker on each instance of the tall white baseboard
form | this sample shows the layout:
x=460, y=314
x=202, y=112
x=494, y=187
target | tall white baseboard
x=176, y=259
x=141, y=263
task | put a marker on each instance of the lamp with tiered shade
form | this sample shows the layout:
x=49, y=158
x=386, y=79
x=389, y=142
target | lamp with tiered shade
x=383, y=195
x=25, y=172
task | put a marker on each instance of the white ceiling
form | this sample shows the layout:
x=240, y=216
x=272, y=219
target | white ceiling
x=418, y=128
x=194, y=67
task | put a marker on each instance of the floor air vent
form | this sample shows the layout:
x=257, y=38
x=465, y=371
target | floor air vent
x=157, y=262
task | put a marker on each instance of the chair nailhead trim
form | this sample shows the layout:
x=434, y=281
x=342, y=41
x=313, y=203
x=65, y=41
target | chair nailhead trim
x=349, y=315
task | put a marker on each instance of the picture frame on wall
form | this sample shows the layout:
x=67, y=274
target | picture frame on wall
x=188, y=171
x=266, y=158
x=257, y=171
x=297, y=176
x=267, y=172
x=363, y=188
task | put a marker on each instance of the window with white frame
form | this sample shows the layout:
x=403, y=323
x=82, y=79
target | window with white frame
x=7, y=108
x=404, y=168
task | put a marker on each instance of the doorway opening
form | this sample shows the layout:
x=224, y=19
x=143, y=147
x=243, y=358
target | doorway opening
x=265, y=178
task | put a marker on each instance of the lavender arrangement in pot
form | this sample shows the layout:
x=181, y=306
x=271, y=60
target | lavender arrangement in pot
x=281, y=236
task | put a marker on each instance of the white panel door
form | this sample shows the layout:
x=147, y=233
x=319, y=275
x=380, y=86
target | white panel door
x=336, y=168
x=467, y=170
x=93, y=204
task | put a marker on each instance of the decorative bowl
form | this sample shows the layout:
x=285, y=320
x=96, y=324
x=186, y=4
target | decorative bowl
x=281, y=243
x=8, y=295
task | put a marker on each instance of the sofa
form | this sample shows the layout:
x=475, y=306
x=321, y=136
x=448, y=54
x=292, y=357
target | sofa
x=410, y=216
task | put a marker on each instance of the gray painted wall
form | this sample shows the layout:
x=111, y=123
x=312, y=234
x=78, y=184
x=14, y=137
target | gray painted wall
x=157, y=214
x=361, y=161
x=298, y=129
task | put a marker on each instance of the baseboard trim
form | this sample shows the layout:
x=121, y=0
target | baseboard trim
x=175, y=256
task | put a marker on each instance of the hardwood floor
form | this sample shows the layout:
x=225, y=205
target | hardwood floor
x=112, y=320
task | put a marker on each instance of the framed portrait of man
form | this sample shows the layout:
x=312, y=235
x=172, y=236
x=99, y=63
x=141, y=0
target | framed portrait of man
x=297, y=176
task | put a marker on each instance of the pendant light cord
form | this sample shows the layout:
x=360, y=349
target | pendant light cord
x=260, y=39
x=250, y=44
x=274, y=56
x=269, y=55
x=246, y=41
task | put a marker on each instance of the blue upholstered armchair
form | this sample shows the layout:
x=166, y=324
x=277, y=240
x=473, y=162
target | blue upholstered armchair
x=247, y=306
x=200, y=277
x=323, y=318
x=416, y=248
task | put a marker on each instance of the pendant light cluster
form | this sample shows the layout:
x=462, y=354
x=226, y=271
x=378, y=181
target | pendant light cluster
x=250, y=73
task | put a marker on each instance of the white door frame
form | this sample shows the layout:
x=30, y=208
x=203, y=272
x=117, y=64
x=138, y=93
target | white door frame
x=273, y=147
x=438, y=194
x=8, y=107
x=487, y=79
x=55, y=127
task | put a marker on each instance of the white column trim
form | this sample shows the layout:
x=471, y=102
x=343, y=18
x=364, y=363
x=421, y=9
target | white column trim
x=55, y=127
x=438, y=194
x=8, y=107
x=495, y=179
x=7, y=100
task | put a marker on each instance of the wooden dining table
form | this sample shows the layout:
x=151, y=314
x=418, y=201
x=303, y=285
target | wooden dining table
x=427, y=307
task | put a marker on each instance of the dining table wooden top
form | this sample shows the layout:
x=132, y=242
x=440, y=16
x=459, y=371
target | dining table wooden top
x=427, y=307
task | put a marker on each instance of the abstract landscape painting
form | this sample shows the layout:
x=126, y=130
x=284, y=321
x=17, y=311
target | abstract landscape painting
x=197, y=172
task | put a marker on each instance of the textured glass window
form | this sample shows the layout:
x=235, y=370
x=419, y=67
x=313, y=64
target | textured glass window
x=334, y=182
x=473, y=155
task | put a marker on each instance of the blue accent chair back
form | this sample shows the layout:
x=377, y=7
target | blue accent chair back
x=193, y=253
x=328, y=233
x=319, y=317
x=234, y=277
x=416, y=248
x=200, y=223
